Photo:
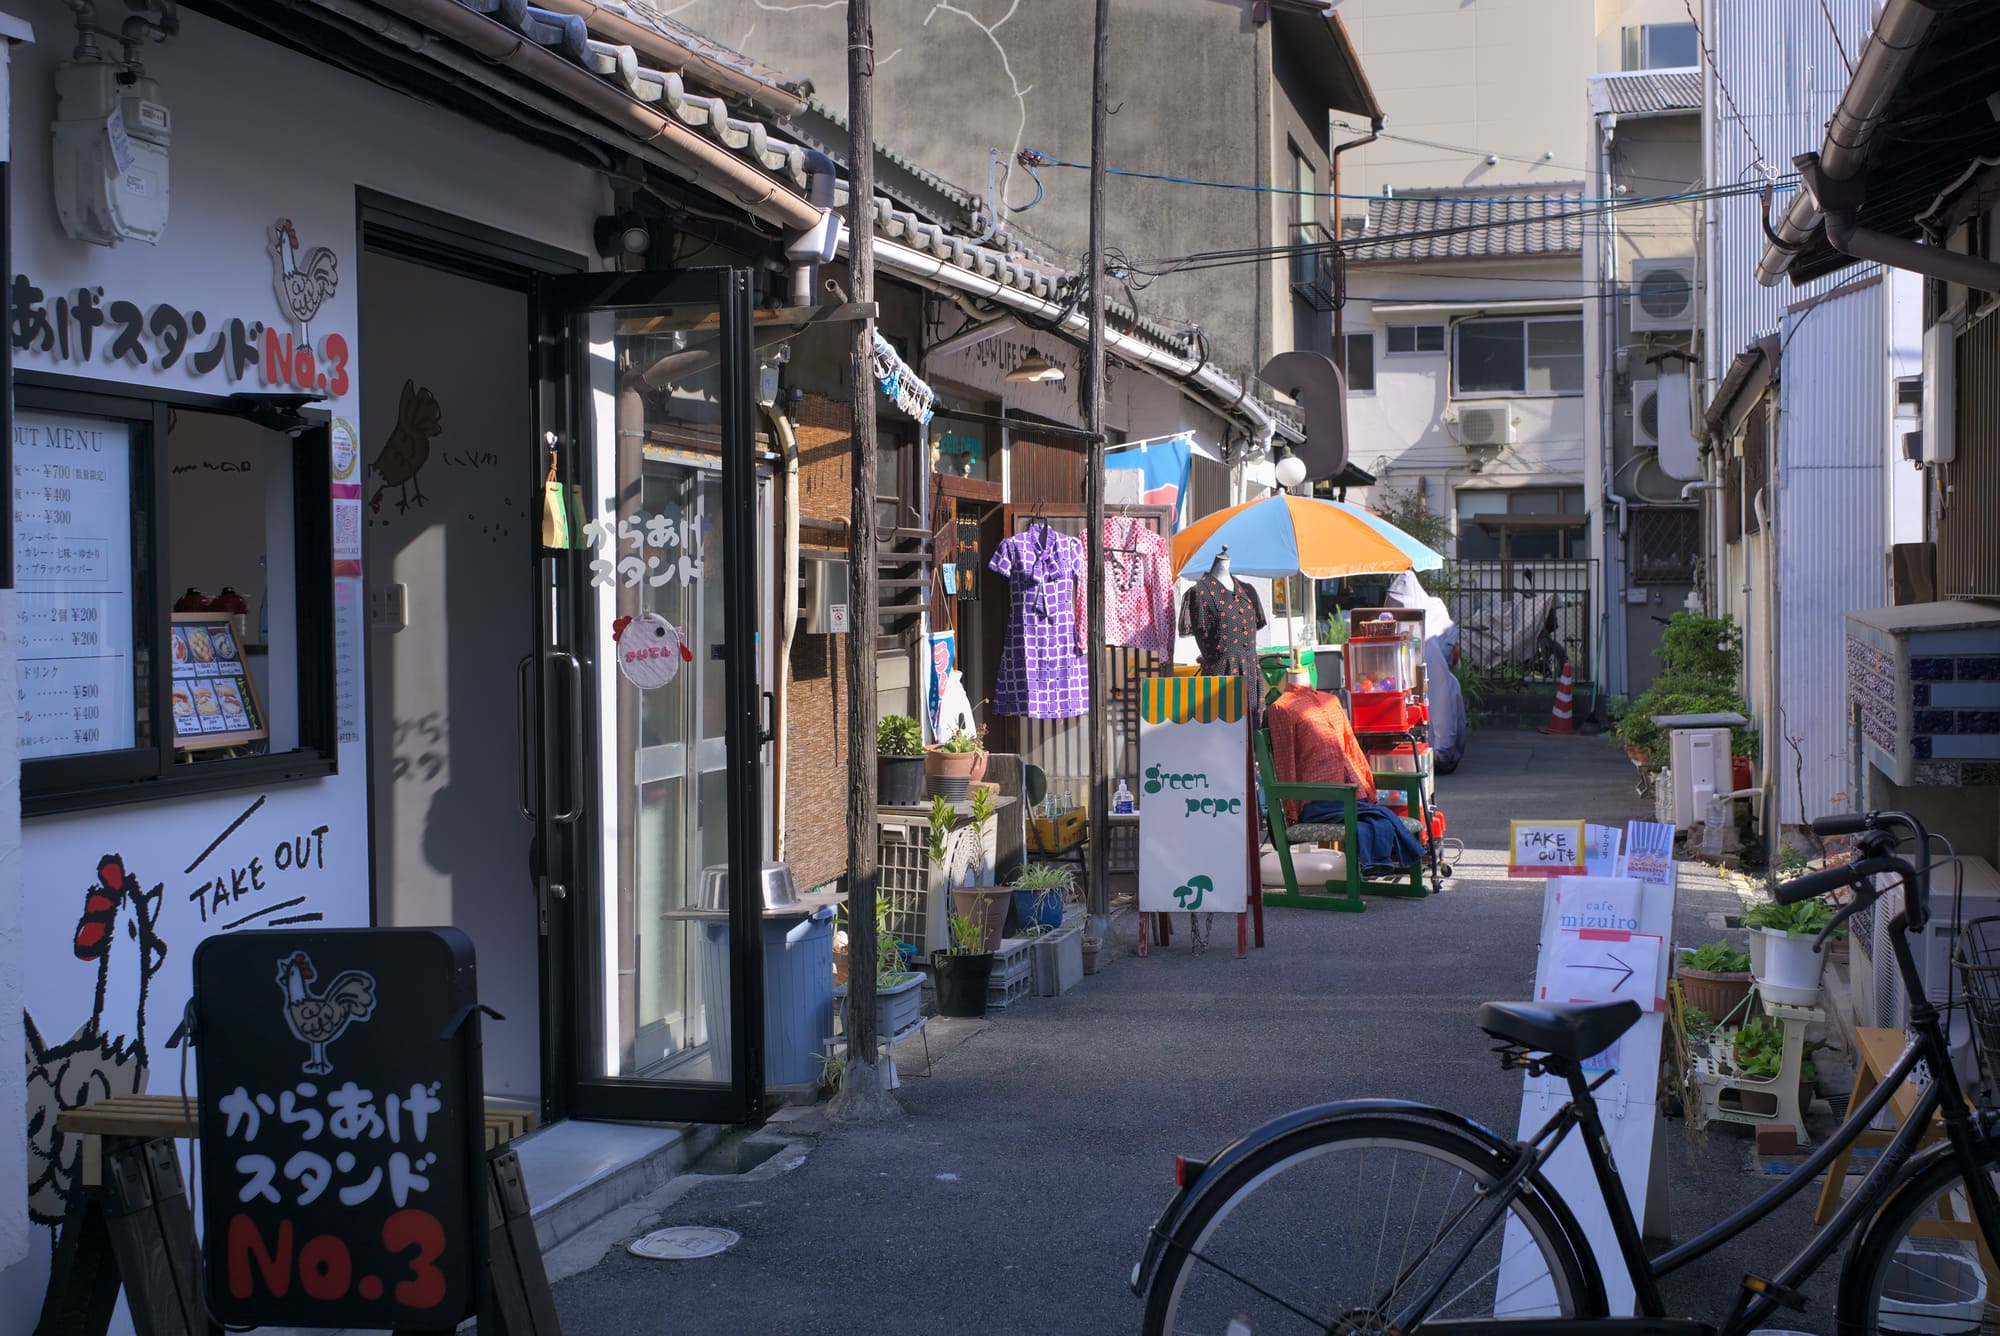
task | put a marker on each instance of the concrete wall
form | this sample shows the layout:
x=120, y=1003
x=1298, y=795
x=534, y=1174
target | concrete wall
x=952, y=82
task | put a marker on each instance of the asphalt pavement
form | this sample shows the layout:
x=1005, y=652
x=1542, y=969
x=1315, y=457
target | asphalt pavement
x=1014, y=1194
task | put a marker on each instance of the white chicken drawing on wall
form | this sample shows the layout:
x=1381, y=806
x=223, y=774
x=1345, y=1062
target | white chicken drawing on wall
x=305, y=282
x=317, y=1019
x=118, y=935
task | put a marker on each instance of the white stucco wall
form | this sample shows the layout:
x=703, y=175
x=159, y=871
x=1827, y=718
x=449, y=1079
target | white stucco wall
x=259, y=134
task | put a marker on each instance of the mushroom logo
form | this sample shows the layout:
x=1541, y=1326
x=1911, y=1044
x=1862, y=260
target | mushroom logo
x=650, y=650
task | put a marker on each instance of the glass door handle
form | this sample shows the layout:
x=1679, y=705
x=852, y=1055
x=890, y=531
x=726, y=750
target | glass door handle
x=573, y=745
x=522, y=722
x=768, y=730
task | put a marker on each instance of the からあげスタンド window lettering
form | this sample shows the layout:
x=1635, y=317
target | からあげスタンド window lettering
x=88, y=326
x=74, y=690
x=658, y=549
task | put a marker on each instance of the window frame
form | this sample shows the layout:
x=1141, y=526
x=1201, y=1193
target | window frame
x=1348, y=339
x=1416, y=348
x=1501, y=525
x=151, y=772
x=1524, y=321
x=1637, y=53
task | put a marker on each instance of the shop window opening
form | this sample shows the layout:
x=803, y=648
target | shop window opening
x=175, y=612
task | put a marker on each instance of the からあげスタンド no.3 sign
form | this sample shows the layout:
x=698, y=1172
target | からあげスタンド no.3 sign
x=342, y=1138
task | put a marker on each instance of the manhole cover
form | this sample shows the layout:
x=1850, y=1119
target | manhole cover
x=684, y=1242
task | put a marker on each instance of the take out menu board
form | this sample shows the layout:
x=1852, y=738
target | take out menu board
x=215, y=700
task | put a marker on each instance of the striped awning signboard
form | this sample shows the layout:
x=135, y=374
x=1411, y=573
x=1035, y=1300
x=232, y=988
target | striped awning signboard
x=1195, y=796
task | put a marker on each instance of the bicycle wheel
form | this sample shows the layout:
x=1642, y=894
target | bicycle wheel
x=1921, y=1266
x=1337, y=1227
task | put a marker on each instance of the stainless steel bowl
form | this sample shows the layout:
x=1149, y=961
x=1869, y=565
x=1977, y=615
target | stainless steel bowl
x=779, y=891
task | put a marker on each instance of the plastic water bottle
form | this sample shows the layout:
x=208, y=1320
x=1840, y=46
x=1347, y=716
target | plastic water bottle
x=1121, y=801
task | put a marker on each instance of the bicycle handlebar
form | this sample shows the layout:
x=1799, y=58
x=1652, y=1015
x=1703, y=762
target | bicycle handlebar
x=1841, y=823
x=1819, y=883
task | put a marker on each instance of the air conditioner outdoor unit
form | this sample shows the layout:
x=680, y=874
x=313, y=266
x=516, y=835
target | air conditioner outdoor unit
x=1485, y=424
x=1646, y=414
x=1663, y=294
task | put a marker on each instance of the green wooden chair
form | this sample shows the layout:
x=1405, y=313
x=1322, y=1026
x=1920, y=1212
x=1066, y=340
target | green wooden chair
x=1343, y=895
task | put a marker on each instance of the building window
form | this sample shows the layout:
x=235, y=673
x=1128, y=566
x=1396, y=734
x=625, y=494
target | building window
x=1662, y=46
x=1312, y=277
x=961, y=448
x=1665, y=544
x=1407, y=339
x=1522, y=524
x=1360, y=352
x=1542, y=356
x=125, y=508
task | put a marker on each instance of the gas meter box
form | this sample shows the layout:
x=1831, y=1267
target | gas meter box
x=111, y=139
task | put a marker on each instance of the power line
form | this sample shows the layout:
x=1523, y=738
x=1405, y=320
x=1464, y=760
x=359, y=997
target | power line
x=1157, y=266
x=1464, y=149
x=1037, y=158
x=1838, y=45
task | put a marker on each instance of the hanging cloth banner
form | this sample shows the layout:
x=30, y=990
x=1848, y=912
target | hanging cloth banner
x=903, y=386
x=1162, y=467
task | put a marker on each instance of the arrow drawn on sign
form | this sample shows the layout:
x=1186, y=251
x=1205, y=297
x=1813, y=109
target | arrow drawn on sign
x=1616, y=964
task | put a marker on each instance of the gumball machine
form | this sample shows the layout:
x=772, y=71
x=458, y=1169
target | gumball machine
x=1382, y=658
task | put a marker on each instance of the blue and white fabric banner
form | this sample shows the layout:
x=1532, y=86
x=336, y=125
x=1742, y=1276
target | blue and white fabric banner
x=903, y=386
x=1163, y=473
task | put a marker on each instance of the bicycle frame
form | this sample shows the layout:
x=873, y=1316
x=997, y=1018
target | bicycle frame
x=1761, y=1298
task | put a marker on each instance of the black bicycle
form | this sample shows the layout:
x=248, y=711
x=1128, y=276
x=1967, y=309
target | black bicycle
x=1377, y=1217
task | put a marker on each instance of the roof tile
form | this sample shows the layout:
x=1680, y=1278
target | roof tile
x=1462, y=225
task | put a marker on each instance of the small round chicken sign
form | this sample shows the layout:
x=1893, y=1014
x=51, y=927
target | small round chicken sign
x=341, y=1127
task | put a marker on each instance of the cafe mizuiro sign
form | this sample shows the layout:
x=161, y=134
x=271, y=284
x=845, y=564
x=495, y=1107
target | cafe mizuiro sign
x=91, y=326
x=342, y=1130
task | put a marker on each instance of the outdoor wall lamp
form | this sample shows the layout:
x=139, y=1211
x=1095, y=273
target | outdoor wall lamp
x=1036, y=369
x=623, y=233
x=1291, y=472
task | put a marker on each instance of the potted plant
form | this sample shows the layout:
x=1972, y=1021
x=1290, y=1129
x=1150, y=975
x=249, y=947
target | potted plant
x=963, y=971
x=1041, y=892
x=1790, y=968
x=1715, y=978
x=899, y=761
x=899, y=998
x=985, y=905
x=958, y=757
x=1091, y=946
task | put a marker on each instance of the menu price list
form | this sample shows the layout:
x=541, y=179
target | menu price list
x=211, y=688
x=75, y=691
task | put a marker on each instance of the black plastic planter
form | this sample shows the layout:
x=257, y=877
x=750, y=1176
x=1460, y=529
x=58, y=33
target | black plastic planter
x=899, y=780
x=961, y=982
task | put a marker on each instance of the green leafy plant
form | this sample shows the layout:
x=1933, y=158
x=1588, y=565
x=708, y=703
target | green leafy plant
x=889, y=962
x=965, y=934
x=1045, y=880
x=981, y=804
x=1699, y=646
x=898, y=735
x=1702, y=658
x=1716, y=958
x=1760, y=1050
x=1791, y=862
x=1697, y=1021
x=960, y=742
x=832, y=1070
x=1412, y=514
x=1807, y=918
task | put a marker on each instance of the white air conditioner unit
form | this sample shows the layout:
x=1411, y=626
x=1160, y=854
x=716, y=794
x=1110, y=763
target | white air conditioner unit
x=1940, y=428
x=1485, y=425
x=1663, y=293
x=1646, y=414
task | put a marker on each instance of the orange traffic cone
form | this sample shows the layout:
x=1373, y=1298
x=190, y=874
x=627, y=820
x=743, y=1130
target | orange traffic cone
x=1562, y=715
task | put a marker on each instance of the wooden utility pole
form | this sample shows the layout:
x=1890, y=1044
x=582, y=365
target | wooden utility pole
x=861, y=1095
x=1099, y=891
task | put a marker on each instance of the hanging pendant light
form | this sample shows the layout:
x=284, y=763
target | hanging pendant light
x=1036, y=369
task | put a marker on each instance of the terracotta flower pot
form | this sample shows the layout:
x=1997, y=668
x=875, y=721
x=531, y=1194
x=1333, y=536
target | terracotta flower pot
x=987, y=906
x=1716, y=994
x=954, y=765
x=1091, y=946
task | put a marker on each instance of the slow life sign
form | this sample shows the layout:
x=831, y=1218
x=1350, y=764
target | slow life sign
x=1194, y=795
x=342, y=1130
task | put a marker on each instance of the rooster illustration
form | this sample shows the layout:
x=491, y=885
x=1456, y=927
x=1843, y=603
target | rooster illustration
x=318, y=1020
x=118, y=933
x=418, y=418
x=305, y=283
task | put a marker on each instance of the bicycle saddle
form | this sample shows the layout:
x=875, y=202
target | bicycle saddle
x=1573, y=1030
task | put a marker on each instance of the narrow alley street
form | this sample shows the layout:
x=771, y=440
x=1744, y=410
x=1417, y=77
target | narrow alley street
x=1015, y=1195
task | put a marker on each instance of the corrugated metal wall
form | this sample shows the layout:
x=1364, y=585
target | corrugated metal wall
x=1831, y=532
x=1785, y=74
x=1968, y=556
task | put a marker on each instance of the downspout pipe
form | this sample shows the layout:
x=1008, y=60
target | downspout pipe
x=1878, y=73
x=1340, y=268
x=675, y=148
x=788, y=618
x=1930, y=261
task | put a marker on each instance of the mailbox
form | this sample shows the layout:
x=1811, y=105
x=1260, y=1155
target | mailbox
x=823, y=593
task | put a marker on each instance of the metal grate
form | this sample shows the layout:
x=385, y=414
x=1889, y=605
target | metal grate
x=1977, y=957
x=1666, y=543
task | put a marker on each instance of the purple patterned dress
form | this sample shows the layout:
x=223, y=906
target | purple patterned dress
x=1043, y=673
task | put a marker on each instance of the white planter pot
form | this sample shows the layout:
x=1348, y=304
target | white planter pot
x=1757, y=952
x=1935, y=1292
x=1790, y=970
